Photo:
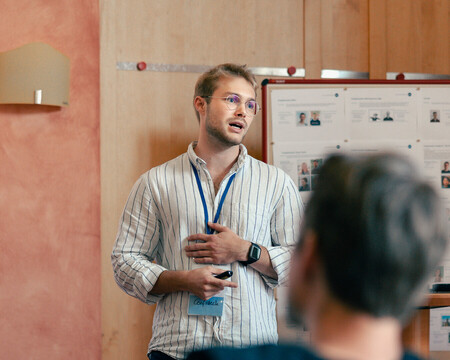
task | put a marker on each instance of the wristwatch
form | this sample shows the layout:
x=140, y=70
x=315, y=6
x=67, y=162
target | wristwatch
x=254, y=253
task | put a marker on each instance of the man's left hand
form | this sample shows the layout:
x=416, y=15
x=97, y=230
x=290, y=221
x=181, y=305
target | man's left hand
x=223, y=247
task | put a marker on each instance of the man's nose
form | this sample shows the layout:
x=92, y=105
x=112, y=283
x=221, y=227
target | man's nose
x=240, y=110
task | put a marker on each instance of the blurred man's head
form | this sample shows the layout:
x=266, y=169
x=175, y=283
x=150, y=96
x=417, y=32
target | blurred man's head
x=372, y=234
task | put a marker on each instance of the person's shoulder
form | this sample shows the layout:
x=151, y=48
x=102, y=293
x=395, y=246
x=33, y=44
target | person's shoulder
x=275, y=179
x=169, y=165
x=270, y=169
x=269, y=352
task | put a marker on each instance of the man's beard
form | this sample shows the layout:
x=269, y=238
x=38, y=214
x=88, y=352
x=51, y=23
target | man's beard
x=220, y=136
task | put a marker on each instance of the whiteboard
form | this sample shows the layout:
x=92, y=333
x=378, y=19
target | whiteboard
x=306, y=120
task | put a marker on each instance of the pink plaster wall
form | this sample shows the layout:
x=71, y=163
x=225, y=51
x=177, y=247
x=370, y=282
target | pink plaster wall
x=50, y=193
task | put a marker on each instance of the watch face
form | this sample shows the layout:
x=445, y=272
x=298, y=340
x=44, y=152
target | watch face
x=255, y=252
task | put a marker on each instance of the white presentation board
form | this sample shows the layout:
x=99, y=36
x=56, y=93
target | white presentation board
x=305, y=120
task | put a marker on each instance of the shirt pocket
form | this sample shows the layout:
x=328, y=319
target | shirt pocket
x=251, y=223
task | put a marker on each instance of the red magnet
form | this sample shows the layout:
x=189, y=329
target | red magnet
x=141, y=66
x=291, y=70
x=400, y=76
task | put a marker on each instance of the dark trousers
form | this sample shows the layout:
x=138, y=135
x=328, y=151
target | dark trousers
x=158, y=355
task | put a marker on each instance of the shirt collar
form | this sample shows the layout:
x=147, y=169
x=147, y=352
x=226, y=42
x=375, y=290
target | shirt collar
x=199, y=162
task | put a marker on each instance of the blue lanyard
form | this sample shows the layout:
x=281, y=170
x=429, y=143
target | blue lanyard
x=222, y=199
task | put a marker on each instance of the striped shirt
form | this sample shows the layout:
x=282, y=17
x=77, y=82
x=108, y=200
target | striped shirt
x=165, y=207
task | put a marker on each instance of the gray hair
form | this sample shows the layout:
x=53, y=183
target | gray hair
x=381, y=232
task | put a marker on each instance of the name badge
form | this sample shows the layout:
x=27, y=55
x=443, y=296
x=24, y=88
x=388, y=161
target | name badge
x=210, y=307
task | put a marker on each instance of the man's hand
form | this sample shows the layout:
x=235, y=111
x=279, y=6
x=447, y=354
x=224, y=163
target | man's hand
x=225, y=247
x=202, y=283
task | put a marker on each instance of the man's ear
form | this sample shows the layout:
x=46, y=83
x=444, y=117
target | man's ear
x=308, y=257
x=304, y=273
x=308, y=261
x=200, y=105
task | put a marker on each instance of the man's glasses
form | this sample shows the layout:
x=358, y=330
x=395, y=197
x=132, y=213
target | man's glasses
x=234, y=101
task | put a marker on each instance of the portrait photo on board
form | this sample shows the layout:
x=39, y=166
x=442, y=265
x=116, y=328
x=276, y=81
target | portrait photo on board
x=374, y=116
x=304, y=183
x=302, y=118
x=388, y=116
x=303, y=168
x=445, y=182
x=315, y=118
x=315, y=166
x=434, y=116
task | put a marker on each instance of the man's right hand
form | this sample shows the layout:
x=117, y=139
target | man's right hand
x=202, y=283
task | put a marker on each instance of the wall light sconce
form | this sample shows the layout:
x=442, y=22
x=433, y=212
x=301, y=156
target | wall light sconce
x=35, y=73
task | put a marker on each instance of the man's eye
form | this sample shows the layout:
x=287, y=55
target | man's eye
x=233, y=99
x=251, y=105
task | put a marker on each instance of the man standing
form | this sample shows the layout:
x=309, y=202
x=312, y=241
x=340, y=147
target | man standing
x=216, y=205
x=371, y=237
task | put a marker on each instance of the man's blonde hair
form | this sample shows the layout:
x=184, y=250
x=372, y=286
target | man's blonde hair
x=207, y=83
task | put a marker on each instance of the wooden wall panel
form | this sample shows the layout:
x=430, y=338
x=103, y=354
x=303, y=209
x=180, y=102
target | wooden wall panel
x=377, y=39
x=313, y=38
x=378, y=36
x=409, y=36
x=345, y=35
x=256, y=32
x=417, y=36
x=336, y=36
